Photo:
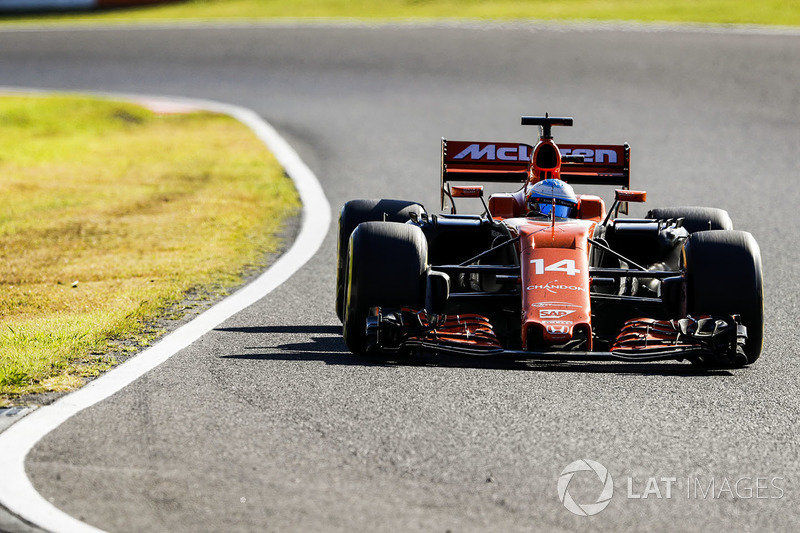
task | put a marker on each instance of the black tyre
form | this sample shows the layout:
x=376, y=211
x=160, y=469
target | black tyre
x=695, y=218
x=354, y=213
x=386, y=267
x=724, y=276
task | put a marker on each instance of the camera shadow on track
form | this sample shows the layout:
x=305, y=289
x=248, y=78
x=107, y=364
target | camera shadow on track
x=324, y=343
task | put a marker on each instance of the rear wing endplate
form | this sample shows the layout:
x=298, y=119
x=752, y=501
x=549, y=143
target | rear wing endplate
x=493, y=162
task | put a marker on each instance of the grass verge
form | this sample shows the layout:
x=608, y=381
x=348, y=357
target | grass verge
x=767, y=12
x=110, y=214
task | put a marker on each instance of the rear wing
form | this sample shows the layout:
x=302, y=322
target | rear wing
x=488, y=162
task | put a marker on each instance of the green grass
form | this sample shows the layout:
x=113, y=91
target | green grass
x=111, y=214
x=768, y=12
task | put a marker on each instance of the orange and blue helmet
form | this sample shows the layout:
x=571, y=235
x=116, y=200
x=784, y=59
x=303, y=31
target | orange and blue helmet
x=544, y=196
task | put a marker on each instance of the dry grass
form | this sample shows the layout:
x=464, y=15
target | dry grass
x=769, y=12
x=109, y=215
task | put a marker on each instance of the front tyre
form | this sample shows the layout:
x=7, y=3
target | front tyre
x=724, y=276
x=386, y=267
x=354, y=213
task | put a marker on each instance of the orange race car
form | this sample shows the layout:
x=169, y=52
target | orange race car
x=545, y=273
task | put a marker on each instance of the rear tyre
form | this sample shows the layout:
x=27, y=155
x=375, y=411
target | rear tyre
x=386, y=267
x=695, y=218
x=354, y=213
x=724, y=276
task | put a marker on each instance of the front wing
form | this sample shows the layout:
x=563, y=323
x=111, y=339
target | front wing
x=711, y=339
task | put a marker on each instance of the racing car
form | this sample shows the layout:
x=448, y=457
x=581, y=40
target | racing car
x=545, y=273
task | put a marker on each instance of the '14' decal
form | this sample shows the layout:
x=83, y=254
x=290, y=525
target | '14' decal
x=565, y=265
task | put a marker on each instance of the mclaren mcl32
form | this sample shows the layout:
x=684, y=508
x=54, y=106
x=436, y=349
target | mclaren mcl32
x=545, y=273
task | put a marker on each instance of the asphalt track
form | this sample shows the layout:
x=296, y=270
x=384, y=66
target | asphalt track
x=267, y=423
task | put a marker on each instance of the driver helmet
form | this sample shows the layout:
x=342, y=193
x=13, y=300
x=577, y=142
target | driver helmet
x=547, y=194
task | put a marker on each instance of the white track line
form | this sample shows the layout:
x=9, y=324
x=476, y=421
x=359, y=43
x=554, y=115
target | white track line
x=16, y=491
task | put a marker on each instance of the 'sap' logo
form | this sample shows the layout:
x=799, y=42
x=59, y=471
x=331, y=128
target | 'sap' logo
x=555, y=313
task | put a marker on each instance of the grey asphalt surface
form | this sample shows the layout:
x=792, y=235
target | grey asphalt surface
x=267, y=424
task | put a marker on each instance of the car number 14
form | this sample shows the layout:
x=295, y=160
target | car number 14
x=565, y=265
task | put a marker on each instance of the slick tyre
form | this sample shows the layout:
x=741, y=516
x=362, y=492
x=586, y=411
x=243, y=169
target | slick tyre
x=724, y=276
x=354, y=213
x=386, y=267
x=695, y=218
